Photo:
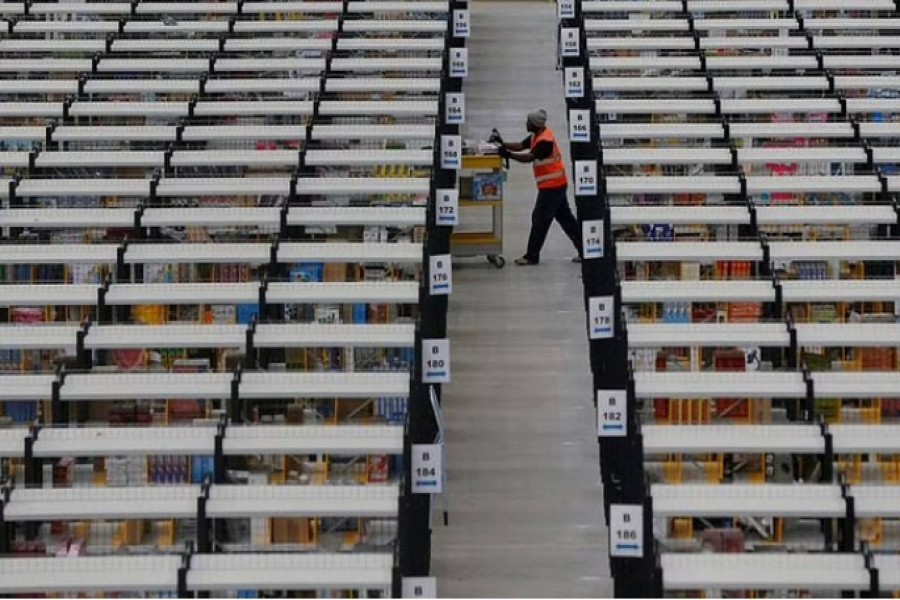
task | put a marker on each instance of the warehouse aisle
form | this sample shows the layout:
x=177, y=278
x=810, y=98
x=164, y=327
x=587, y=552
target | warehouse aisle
x=522, y=454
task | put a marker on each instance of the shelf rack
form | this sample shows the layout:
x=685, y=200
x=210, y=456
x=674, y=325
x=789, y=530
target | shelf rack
x=259, y=125
x=708, y=135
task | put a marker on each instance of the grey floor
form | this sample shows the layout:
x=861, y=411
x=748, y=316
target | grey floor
x=522, y=479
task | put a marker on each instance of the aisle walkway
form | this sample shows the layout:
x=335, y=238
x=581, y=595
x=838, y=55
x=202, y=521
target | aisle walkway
x=522, y=453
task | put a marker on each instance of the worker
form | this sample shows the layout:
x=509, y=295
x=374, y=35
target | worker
x=541, y=149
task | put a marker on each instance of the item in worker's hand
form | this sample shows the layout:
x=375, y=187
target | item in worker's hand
x=487, y=148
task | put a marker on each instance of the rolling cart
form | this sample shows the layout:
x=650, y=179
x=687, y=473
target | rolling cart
x=480, y=198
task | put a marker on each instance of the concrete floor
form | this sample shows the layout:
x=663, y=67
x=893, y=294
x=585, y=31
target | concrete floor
x=523, y=474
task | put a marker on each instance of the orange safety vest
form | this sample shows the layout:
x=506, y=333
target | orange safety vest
x=550, y=172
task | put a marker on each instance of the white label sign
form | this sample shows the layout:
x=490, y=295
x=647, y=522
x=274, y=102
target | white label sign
x=626, y=530
x=600, y=317
x=579, y=125
x=612, y=413
x=446, y=207
x=565, y=9
x=441, y=275
x=574, y=82
x=419, y=587
x=461, y=23
x=436, y=361
x=592, y=239
x=455, y=108
x=570, y=42
x=459, y=62
x=451, y=151
x=585, y=177
x=427, y=475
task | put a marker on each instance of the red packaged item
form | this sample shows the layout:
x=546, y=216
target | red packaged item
x=378, y=468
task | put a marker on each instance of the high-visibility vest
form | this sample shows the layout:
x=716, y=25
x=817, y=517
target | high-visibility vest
x=550, y=172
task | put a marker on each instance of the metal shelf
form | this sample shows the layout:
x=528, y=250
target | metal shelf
x=291, y=252
x=311, y=439
x=775, y=571
x=110, y=337
x=688, y=251
x=748, y=500
x=333, y=336
x=136, y=574
x=318, y=216
x=749, y=384
x=699, y=291
x=38, y=337
x=125, y=441
x=146, y=386
x=293, y=385
x=709, y=439
x=401, y=292
x=72, y=504
x=206, y=253
x=48, y=294
x=25, y=387
x=49, y=254
x=137, y=294
x=215, y=572
x=347, y=501
x=677, y=335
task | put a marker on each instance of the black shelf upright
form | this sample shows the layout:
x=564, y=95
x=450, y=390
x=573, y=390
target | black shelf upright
x=626, y=506
x=414, y=548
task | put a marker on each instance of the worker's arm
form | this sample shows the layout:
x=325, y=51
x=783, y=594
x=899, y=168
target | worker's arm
x=518, y=151
x=522, y=157
x=541, y=151
x=519, y=146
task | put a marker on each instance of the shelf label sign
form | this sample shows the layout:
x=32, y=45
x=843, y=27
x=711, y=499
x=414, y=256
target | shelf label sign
x=455, y=108
x=419, y=587
x=626, y=531
x=427, y=472
x=441, y=275
x=436, y=361
x=451, y=151
x=592, y=239
x=612, y=413
x=600, y=317
x=574, y=82
x=565, y=9
x=585, y=177
x=571, y=46
x=579, y=125
x=447, y=207
x=461, y=23
x=459, y=62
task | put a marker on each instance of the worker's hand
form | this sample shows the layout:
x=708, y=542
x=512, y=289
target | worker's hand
x=503, y=152
x=495, y=138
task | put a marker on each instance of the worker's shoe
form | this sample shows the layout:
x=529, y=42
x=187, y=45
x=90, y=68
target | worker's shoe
x=525, y=262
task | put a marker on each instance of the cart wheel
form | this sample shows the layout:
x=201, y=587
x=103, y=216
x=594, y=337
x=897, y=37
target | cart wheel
x=497, y=260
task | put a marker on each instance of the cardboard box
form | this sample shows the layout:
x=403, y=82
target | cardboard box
x=132, y=532
x=290, y=531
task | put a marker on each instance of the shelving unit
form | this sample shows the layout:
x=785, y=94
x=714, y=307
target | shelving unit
x=217, y=227
x=742, y=297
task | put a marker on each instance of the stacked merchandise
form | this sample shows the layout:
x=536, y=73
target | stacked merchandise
x=126, y=471
x=745, y=154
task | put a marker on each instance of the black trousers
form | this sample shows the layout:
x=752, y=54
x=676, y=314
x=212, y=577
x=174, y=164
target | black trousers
x=550, y=205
